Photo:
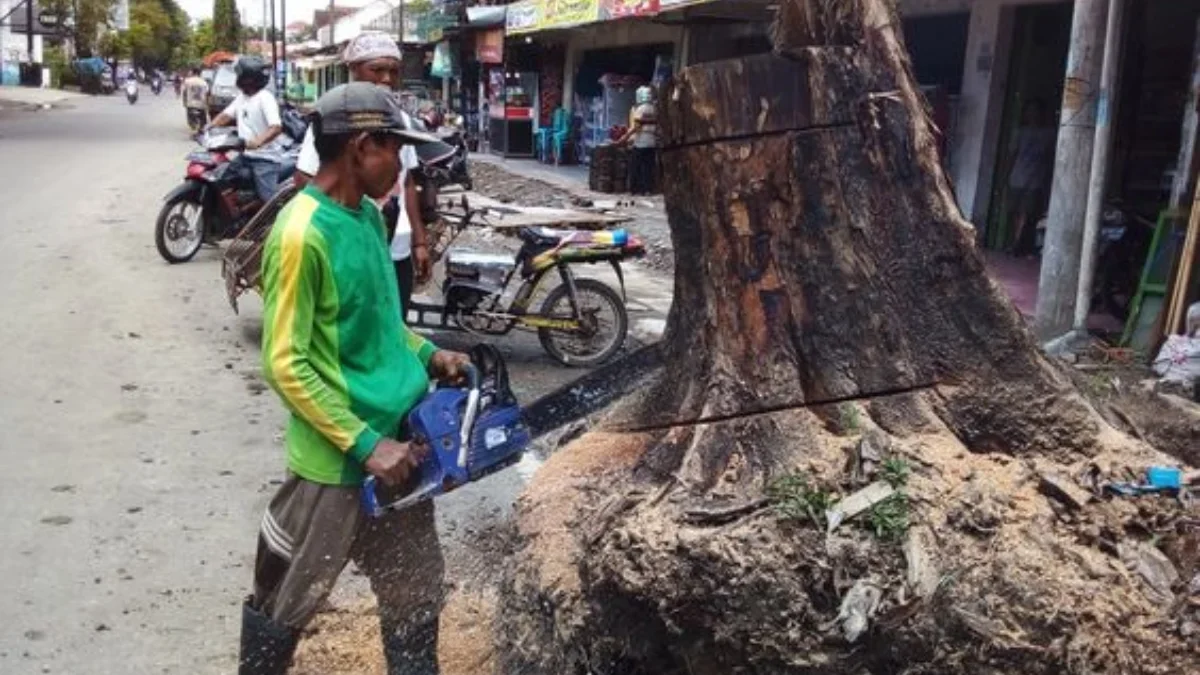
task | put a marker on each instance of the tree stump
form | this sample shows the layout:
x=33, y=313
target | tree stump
x=833, y=329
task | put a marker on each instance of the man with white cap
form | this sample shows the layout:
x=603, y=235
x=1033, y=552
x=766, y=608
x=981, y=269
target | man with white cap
x=374, y=57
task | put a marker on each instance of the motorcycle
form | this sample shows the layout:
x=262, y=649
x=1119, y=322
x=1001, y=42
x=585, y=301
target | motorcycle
x=581, y=322
x=131, y=91
x=216, y=199
x=156, y=86
x=196, y=119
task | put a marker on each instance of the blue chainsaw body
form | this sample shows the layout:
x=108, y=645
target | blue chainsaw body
x=471, y=432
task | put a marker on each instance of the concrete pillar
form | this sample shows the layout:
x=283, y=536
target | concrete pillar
x=983, y=70
x=1072, y=172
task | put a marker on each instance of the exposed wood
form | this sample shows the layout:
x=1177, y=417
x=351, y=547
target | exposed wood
x=1181, y=286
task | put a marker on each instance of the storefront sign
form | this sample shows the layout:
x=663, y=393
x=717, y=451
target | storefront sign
x=531, y=16
x=489, y=46
x=620, y=9
x=523, y=17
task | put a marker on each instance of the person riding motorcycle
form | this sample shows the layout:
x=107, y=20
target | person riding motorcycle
x=195, y=97
x=255, y=112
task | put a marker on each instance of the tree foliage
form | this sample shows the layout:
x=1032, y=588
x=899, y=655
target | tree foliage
x=227, y=31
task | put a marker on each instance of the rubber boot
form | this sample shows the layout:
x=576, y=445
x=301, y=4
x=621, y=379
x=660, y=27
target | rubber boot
x=412, y=648
x=267, y=647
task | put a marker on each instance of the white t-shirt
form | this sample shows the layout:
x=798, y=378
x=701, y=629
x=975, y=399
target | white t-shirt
x=310, y=163
x=254, y=115
x=402, y=240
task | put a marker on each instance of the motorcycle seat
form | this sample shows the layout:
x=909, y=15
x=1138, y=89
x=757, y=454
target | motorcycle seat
x=545, y=236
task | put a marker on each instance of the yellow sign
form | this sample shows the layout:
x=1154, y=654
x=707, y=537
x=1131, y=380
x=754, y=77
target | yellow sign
x=531, y=16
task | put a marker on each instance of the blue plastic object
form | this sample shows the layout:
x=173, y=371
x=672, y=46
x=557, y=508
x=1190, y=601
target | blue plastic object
x=471, y=432
x=1164, y=477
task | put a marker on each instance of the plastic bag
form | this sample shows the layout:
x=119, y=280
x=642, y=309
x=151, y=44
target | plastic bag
x=1179, y=360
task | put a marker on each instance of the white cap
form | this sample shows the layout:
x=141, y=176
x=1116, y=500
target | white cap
x=369, y=46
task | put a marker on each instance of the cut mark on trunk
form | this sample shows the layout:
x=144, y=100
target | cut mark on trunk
x=781, y=407
x=734, y=138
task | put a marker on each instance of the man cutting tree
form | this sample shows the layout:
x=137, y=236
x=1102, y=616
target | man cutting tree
x=337, y=352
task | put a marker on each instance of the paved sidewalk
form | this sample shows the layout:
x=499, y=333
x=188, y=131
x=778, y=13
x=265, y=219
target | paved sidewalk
x=25, y=97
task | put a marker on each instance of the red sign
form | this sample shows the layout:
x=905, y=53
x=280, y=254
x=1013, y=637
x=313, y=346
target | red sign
x=620, y=9
x=489, y=46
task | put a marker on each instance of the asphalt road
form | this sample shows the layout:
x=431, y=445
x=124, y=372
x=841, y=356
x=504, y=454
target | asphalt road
x=137, y=442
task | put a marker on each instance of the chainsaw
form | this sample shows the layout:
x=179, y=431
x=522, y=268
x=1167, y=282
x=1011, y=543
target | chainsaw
x=476, y=430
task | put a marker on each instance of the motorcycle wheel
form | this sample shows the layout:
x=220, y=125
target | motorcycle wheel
x=605, y=320
x=176, y=235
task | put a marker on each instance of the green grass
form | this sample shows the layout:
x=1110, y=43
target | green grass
x=895, y=471
x=793, y=498
x=848, y=417
x=888, y=519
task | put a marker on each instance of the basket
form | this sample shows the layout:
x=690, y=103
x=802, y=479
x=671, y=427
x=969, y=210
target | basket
x=241, y=265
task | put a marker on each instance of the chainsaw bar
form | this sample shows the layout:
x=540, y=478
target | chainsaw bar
x=592, y=392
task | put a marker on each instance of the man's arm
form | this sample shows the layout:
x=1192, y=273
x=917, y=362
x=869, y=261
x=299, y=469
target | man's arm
x=422, y=266
x=228, y=116
x=293, y=269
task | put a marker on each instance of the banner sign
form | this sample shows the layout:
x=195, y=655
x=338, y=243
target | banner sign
x=620, y=9
x=523, y=17
x=489, y=46
x=531, y=16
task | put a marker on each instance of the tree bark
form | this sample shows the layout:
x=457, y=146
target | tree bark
x=828, y=297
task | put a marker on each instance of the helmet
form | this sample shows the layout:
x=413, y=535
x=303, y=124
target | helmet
x=643, y=95
x=251, y=69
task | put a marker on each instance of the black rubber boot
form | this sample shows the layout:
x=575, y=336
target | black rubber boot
x=412, y=648
x=267, y=647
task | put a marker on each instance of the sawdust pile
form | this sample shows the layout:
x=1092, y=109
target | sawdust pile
x=342, y=641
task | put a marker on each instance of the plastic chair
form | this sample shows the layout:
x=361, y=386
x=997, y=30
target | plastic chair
x=560, y=133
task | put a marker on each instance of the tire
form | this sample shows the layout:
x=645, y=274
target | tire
x=559, y=344
x=163, y=222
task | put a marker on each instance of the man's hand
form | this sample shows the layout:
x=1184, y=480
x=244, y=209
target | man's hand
x=448, y=367
x=393, y=461
x=422, y=266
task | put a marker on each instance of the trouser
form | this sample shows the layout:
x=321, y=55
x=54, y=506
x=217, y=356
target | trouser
x=266, y=176
x=641, y=171
x=308, y=534
x=405, y=279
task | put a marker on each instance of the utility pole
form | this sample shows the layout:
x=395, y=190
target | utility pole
x=332, y=24
x=1072, y=168
x=1100, y=161
x=283, y=24
x=274, y=52
x=264, y=21
x=29, y=29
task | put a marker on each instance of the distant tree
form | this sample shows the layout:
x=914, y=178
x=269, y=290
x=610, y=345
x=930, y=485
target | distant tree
x=203, y=40
x=90, y=19
x=226, y=26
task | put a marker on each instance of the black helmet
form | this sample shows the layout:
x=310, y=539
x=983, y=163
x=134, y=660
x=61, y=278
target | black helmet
x=251, y=69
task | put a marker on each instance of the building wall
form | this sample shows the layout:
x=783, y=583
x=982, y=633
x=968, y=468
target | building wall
x=13, y=48
x=981, y=102
x=608, y=34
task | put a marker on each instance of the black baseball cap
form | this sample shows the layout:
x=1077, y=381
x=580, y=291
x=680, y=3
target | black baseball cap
x=362, y=106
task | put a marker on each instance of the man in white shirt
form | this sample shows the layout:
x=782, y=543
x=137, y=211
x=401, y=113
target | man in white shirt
x=256, y=114
x=373, y=57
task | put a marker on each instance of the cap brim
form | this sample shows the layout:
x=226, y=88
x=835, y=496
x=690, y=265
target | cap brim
x=415, y=137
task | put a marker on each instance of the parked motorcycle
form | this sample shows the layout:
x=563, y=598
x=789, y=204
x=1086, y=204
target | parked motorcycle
x=581, y=322
x=216, y=199
x=131, y=91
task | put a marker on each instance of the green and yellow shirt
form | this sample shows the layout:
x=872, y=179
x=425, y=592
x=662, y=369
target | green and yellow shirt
x=334, y=346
